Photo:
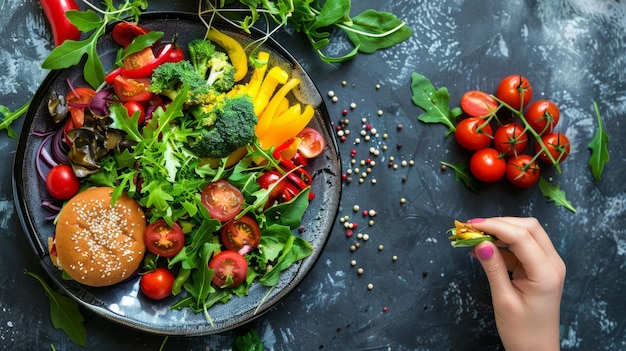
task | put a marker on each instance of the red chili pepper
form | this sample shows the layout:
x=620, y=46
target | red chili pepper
x=125, y=32
x=62, y=28
x=146, y=71
x=110, y=78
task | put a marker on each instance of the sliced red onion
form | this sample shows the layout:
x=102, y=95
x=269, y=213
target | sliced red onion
x=99, y=105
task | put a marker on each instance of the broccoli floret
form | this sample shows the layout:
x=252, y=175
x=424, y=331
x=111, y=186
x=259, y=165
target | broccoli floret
x=200, y=52
x=170, y=77
x=222, y=73
x=233, y=127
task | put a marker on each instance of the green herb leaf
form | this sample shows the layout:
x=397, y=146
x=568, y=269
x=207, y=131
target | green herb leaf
x=434, y=102
x=471, y=242
x=9, y=117
x=599, y=150
x=461, y=173
x=85, y=21
x=64, y=313
x=248, y=342
x=554, y=193
x=373, y=30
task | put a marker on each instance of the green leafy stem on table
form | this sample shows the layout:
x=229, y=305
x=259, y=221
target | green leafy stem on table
x=436, y=106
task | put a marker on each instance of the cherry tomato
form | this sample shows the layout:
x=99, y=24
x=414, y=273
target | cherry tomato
x=477, y=103
x=270, y=177
x=62, y=28
x=61, y=182
x=69, y=125
x=510, y=139
x=157, y=284
x=128, y=89
x=78, y=99
x=470, y=136
x=134, y=107
x=522, y=171
x=163, y=240
x=487, y=165
x=223, y=200
x=557, y=144
x=230, y=269
x=312, y=143
x=243, y=233
x=543, y=115
x=514, y=90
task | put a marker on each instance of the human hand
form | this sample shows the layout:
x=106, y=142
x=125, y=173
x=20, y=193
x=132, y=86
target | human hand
x=527, y=303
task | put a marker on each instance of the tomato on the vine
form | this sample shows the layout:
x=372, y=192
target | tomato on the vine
x=487, y=165
x=557, y=144
x=473, y=133
x=510, y=139
x=515, y=90
x=230, y=269
x=477, y=103
x=543, y=115
x=61, y=182
x=241, y=235
x=163, y=240
x=157, y=284
x=522, y=171
x=223, y=200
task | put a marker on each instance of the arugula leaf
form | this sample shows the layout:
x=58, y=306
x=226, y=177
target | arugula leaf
x=599, y=150
x=461, y=173
x=8, y=117
x=64, y=313
x=434, y=102
x=554, y=193
x=294, y=250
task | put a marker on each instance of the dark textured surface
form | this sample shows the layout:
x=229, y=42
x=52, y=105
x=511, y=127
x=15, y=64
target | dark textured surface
x=435, y=297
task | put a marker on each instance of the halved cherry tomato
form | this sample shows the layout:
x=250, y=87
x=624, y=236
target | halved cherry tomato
x=477, y=103
x=510, y=139
x=157, y=284
x=129, y=89
x=78, y=99
x=487, y=165
x=223, y=200
x=514, y=90
x=312, y=143
x=134, y=107
x=125, y=32
x=473, y=133
x=543, y=115
x=163, y=240
x=61, y=182
x=230, y=269
x=138, y=60
x=522, y=171
x=557, y=144
x=241, y=235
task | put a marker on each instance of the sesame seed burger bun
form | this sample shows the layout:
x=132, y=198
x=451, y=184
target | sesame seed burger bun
x=98, y=244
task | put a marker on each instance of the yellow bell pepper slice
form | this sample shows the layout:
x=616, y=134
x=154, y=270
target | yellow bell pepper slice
x=265, y=119
x=233, y=49
x=275, y=76
x=286, y=126
x=259, y=73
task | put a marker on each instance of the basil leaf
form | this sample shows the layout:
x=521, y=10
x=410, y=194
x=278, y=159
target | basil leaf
x=434, y=102
x=554, y=193
x=599, y=150
x=373, y=30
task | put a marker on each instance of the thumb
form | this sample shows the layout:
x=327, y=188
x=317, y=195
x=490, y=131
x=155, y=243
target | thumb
x=495, y=268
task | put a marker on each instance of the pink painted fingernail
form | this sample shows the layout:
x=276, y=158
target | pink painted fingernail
x=485, y=252
x=476, y=220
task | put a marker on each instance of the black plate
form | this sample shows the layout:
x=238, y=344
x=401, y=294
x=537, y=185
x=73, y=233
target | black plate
x=122, y=303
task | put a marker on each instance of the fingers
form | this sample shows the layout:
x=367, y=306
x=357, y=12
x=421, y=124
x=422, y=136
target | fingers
x=495, y=267
x=527, y=240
